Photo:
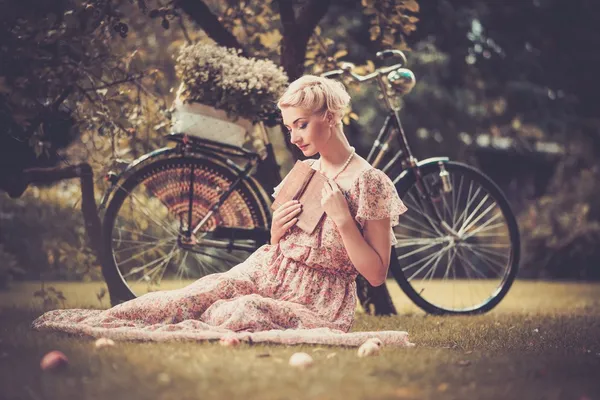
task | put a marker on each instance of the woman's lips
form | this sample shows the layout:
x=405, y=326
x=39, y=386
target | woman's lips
x=303, y=147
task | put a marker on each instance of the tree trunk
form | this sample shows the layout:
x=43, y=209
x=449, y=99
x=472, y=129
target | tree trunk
x=209, y=22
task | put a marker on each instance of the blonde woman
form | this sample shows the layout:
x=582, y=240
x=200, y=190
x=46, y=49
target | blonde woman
x=301, y=287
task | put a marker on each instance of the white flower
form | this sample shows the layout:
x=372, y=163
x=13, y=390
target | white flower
x=301, y=360
x=224, y=79
x=370, y=347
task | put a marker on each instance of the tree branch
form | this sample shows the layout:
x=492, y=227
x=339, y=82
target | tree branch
x=201, y=14
x=129, y=79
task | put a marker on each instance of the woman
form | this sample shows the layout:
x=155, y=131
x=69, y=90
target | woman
x=300, y=288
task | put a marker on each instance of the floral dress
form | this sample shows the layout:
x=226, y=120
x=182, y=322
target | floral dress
x=300, y=290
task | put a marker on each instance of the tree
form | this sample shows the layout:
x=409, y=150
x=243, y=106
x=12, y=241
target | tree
x=56, y=66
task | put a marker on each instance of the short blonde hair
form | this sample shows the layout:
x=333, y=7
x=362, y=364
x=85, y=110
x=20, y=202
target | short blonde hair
x=318, y=94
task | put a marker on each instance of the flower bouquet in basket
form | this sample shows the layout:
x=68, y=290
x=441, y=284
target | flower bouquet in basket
x=223, y=94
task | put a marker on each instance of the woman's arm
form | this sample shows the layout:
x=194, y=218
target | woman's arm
x=369, y=254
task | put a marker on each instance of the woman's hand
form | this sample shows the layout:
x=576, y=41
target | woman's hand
x=335, y=205
x=284, y=218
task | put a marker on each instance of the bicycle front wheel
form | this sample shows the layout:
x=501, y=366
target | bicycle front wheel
x=467, y=263
x=148, y=220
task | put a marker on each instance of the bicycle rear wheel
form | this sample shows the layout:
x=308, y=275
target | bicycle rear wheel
x=147, y=219
x=467, y=265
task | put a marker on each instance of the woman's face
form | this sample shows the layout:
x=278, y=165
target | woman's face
x=307, y=130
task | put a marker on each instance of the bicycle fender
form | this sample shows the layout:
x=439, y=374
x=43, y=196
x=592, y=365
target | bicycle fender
x=406, y=177
x=148, y=157
x=262, y=197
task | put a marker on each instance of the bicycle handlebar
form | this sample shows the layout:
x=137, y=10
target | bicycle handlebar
x=382, y=55
x=346, y=67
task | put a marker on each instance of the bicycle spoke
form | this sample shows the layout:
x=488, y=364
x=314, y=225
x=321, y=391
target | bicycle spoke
x=464, y=226
x=434, y=268
x=424, y=228
x=142, y=267
x=220, y=258
x=484, y=227
x=399, y=235
x=481, y=248
x=435, y=255
x=164, y=263
x=182, y=268
x=421, y=211
x=470, y=201
x=450, y=263
x=205, y=268
x=136, y=241
x=469, y=276
x=455, y=204
x=473, y=267
x=419, y=241
x=142, y=208
x=419, y=261
x=137, y=233
x=409, y=227
x=481, y=255
x=140, y=253
x=446, y=206
x=483, y=214
x=417, y=251
x=163, y=241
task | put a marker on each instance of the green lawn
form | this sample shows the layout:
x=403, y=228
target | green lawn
x=543, y=341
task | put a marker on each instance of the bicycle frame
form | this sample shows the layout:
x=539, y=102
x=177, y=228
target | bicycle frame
x=392, y=127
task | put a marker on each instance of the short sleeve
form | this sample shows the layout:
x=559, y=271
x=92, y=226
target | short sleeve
x=277, y=188
x=378, y=199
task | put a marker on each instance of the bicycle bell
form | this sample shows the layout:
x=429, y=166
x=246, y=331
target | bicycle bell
x=402, y=80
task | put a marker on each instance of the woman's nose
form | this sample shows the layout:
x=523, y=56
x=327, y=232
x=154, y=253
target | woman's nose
x=294, y=137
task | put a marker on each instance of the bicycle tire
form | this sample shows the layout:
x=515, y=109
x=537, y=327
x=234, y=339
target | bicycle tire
x=158, y=182
x=405, y=276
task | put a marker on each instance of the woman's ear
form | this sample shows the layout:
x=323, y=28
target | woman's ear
x=329, y=118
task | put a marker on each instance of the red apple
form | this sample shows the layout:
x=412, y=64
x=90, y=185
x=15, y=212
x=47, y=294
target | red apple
x=53, y=360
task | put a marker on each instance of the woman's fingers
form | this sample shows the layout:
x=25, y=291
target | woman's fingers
x=286, y=207
x=287, y=213
x=289, y=224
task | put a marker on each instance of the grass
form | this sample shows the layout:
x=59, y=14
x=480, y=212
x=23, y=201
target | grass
x=542, y=341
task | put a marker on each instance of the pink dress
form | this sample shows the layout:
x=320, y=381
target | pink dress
x=301, y=290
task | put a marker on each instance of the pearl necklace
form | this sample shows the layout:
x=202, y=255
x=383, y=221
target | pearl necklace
x=352, y=151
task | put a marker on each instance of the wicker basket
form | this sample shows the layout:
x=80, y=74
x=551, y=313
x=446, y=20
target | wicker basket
x=207, y=122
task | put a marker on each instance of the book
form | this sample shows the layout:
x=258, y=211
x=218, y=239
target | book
x=303, y=183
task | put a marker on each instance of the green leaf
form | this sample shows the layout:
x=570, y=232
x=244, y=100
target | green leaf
x=411, y=5
x=340, y=53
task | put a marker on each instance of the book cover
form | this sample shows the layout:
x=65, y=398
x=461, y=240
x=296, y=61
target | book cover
x=303, y=183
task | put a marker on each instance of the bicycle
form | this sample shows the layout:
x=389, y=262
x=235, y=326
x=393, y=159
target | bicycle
x=182, y=212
